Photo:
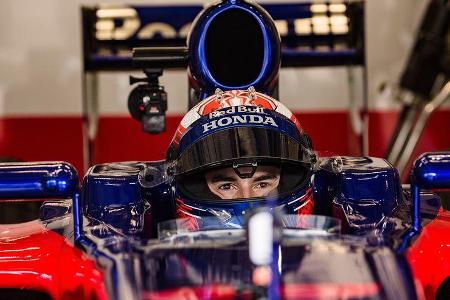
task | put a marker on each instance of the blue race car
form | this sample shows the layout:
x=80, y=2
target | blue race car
x=242, y=207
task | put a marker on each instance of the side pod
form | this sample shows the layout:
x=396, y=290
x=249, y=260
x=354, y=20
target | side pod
x=37, y=259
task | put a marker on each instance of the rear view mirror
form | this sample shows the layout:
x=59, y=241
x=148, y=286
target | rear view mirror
x=432, y=171
x=38, y=180
x=25, y=186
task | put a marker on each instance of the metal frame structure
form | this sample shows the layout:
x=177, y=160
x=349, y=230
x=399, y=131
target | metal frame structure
x=424, y=85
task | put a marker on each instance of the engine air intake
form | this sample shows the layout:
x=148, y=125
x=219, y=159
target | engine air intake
x=234, y=48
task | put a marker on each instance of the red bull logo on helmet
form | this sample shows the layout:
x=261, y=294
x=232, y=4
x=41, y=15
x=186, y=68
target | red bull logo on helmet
x=236, y=109
x=245, y=99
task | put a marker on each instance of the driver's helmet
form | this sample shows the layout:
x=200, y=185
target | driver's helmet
x=239, y=134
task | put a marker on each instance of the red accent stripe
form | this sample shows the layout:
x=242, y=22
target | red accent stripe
x=308, y=208
x=121, y=138
x=42, y=138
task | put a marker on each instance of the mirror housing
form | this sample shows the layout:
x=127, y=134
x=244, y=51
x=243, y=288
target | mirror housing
x=38, y=180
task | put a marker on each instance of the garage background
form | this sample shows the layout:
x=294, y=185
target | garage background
x=41, y=89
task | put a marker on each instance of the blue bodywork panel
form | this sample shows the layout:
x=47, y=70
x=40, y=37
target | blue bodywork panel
x=432, y=171
x=38, y=180
x=123, y=195
x=363, y=190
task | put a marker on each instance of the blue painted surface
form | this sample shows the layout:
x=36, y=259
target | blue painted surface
x=177, y=15
x=432, y=171
x=197, y=48
x=38, y=180
x=364, y=189
x=324, y=260
x=119, y=194
x=113, y=254
x=112, y=194
x=193, y=134
x=77, y=217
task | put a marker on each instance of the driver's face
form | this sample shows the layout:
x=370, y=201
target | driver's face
x=226, y=184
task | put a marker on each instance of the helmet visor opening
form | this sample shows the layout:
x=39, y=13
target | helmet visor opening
x=241, y=143
x=271, y=180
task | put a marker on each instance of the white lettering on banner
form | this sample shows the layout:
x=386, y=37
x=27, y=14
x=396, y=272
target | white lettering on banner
x=216, y=114
x=224, y=122
x=270, y=121
x=234, y=109
x=209, y=126
x=243, y=119
x=254, y=119
x=239, y=119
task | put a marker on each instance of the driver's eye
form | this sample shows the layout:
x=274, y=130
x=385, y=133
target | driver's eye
x=226, y=186
x=262, y=185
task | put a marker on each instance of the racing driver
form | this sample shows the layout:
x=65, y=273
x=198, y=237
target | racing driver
x=237, y=150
